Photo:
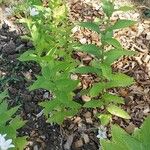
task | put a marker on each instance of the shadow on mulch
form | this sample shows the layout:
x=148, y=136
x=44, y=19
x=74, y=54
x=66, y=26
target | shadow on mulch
x=16, y=77
x=144, y=7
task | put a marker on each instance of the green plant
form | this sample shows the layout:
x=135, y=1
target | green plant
x=139, y=140
x=50, y=34
x=9, y=125
x=101, y=64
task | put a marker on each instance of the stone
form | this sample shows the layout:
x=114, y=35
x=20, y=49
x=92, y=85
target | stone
x=79, y=143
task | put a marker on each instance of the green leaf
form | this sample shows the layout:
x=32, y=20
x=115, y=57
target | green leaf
x=120, y=137
x=20, y=142
x=108, y=7
x=28, y=56
x=143, y=134
x=106, y=70
x=89, y=48
x=60, y=116
x=113, y=42
x=90, y=25
x=66, y=85
x=120, y=80
x=109, y=98
x=3, y=95
x=97, y=88
x=125, y=8
x=114, y=110
x=115, y=54
x=105, y=119
x=93, y=104
x=50, y=105
x=122, y=24
x=42, y=83
x=86, y=69
x=107, y=145
x=17, y=123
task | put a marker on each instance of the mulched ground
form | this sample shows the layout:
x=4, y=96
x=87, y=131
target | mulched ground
x=78, y=133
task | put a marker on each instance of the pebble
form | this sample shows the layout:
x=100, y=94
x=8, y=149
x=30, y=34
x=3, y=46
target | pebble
x=83, y=41
x=148, y=36
x=86, y=138
x=89, y=120
x=79, y=143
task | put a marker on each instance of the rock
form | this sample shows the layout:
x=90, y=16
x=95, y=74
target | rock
x=130, y=128
x=89, y=120
x=67, y=145
x=83, y=41
x=86, y=138
x=87, y=115
x=35, y=147
x=79, y=143
x=86, y=98
x=148, y=36
x=77, y=120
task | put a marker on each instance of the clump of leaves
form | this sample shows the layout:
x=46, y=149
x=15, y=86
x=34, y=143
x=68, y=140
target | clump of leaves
x=50, y=34
x=9, y=123
x=121, y=140
x=101, y=64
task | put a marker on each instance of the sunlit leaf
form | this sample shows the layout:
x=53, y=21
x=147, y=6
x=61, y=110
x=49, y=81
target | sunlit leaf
x=117, y=111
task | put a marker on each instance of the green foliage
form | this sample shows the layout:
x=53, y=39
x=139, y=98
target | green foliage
x=9, y=125
x=103, y=59
x=139, y=140
x=50, y=33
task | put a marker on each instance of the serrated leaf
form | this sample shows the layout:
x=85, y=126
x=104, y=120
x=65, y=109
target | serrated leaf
x=90, y=49
x=20, y=142
x=97, y=88
x=113, y=42
x=86, y=69
x=17, y=123
x=42, y=83
x=109, y=98
x=108, y=7
x=90, y=25
x=117, y=111
x=143, y=134
x=107, y=145
x=106, y=70
x=28, y=56
x=105, y=119
x=3, y=95
x=93, y=104
x=115, y=54
x=120, y=80
x=122, y=24
x=60, y=116
x=120, y=137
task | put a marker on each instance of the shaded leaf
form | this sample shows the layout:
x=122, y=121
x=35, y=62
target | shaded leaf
x=122, y=24
x=90, y=49
x=90, y=25
x=93, y=104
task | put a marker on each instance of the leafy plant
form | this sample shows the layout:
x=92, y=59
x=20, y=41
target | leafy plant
x=101, y=64
x=9, y=125
x=50, y=34
x=121, y=140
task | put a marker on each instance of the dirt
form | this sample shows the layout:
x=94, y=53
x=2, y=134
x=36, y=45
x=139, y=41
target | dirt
x=16, y=76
